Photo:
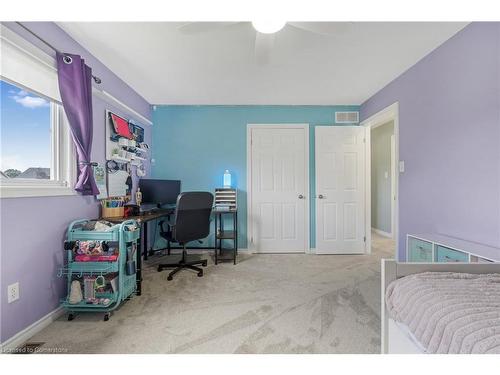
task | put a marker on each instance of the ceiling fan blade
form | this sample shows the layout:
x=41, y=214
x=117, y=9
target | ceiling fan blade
x=192, y=28
x=323, y=28
x=263, y=47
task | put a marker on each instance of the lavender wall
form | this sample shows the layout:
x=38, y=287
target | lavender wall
x=449, y=125
x=33, y=229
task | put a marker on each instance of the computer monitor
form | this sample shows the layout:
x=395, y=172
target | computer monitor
x=159, y=192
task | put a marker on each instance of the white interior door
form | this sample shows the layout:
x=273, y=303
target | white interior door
x=340, y=190
x=279, y=188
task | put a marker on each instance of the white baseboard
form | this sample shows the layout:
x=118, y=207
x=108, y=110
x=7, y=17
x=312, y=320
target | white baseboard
x=21, y=337
x=382, y=233
x=252, y=250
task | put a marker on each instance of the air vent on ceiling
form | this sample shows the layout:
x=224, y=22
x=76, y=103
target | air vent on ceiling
x=351, y=117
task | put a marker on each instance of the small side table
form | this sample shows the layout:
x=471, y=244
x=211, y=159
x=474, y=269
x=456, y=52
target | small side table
x=222, y=234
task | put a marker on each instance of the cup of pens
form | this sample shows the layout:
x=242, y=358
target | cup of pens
x=112, y=207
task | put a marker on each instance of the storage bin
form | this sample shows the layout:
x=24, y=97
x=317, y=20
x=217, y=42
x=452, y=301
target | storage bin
x=445, y=254
x=476, y=259
x=107, y=212
x=419, y=250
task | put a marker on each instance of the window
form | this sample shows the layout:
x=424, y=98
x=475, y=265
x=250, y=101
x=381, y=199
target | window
x=26, y=128
x=36, y=153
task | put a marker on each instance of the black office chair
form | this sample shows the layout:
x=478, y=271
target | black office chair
x=192, y=222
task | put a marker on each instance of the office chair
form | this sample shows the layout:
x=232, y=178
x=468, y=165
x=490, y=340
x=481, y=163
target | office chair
x=192, y=222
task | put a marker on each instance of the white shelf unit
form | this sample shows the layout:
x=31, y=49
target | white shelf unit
x=225, y=197
x=443, y=248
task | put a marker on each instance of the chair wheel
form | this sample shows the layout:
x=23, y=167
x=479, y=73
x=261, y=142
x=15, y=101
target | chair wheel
x=200, y=274
x=204, y=264
x=106, y=317
x=169, y=278
x=70, y=317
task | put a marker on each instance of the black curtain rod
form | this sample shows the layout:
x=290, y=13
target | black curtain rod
x=96, y=79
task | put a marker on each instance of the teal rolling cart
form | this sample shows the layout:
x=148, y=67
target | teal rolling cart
x=126, y=235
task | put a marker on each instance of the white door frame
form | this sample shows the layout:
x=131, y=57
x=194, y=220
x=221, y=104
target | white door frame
x=390, y=113
x=250, y=127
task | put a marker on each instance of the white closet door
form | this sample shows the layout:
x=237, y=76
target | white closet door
x=279, y=182
x=340, y=190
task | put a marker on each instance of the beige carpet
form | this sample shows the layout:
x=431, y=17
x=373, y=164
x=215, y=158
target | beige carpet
x=265, y=304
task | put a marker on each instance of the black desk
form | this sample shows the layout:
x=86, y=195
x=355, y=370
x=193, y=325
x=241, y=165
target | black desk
x=142, y=220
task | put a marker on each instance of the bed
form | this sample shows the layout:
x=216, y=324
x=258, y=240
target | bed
x=404, y=313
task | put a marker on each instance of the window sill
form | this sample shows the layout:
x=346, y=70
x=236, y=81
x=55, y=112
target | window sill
x=24, y=191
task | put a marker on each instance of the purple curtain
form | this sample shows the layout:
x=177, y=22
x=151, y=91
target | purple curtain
x=75, y=86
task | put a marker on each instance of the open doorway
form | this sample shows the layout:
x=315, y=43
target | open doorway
x=382, y=185
x=382, y=179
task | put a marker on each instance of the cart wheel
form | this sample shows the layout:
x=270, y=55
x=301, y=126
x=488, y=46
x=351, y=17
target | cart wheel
x=169, y=278
x=106, y=317
x=70, y=317
x=200, y=274
x=204, y=264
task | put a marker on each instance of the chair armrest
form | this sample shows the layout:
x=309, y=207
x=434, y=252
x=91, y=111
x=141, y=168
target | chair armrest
x=170, y=230
x=162, y=228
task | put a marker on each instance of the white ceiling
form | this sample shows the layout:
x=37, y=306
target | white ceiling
x=169, y=66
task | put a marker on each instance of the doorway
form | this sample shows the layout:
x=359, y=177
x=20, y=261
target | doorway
x=278, y=187
x=382, y=178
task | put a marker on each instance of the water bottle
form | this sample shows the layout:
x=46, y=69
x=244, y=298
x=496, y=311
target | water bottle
x=227, y=179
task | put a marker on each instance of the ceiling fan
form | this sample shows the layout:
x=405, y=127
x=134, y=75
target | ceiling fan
x=265, y=32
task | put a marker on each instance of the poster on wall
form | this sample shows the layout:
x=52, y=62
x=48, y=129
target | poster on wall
x=124, y=140
x=100, y=180
x=117, y=183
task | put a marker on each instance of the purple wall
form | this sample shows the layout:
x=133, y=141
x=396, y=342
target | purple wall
x=33, y=229
x=449, y=125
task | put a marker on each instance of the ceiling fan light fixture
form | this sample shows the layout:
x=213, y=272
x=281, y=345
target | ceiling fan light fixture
x=268, y=26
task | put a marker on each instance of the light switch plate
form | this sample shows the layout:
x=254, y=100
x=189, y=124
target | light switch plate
x=401, y=166
x=13, y=292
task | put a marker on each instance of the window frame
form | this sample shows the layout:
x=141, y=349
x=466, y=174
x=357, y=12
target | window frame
x=63, y=156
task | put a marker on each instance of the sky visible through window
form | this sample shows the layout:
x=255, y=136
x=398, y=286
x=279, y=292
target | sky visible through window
x=25, y=129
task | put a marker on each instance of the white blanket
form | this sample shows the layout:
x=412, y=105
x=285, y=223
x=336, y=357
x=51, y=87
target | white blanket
x=449, y=312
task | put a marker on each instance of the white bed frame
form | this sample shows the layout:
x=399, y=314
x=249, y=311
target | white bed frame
x=394, y=339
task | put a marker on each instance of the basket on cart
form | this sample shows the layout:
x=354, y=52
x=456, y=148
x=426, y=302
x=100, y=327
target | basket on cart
x=126, y=235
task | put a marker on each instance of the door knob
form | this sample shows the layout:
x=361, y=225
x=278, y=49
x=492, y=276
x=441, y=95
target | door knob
x=301, y=196
x=320, y=196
